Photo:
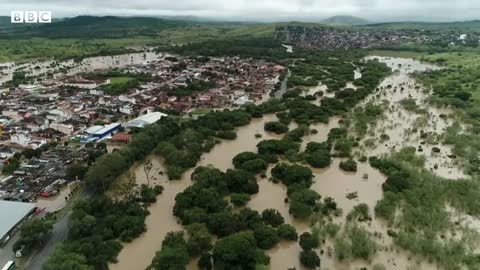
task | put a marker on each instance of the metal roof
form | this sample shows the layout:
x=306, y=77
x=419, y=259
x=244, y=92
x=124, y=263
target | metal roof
x=107, y=128
x=145, y=120
x=11, y=213
x=99, y=130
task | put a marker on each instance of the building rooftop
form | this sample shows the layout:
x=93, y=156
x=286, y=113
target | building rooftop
x=93, y=129
x=145, y=120
x=106, y=128
x=11, y=214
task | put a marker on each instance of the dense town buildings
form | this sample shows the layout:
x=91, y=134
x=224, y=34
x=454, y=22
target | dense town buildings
x=101, y=104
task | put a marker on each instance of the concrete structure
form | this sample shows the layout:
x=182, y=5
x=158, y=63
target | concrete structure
x=65, y=129
x=99, y=133
x=20, y=139
x=84, y=83
x=241, y=101
x=145, y=120
x=12, y=214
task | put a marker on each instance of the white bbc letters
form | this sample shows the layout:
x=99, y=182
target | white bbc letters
x=31, y=16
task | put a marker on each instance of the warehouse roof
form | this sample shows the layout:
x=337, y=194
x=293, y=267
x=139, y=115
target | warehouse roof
x=145, y=120
x=12, y=213
x=107, y=128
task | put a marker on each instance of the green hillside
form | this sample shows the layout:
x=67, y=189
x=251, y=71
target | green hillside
x=98, y=27
x=344, y=20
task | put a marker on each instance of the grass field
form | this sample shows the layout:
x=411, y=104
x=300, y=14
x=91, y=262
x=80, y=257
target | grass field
x=120, y=80
x=467, y=59
x=200, y=111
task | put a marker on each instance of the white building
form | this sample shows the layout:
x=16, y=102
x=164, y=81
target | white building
x=145, y=120
x=86, y=84
x=20, y=139
x=12, y=114
x=126, y=109
x=65, y=129
x=241, y=101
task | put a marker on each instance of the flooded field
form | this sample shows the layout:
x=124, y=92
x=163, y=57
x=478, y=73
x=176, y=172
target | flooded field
x=420, y=129
x=328, y=182
x=36, y=68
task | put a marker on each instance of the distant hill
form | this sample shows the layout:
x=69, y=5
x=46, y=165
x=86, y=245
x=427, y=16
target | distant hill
x=95, y=27
x=344, y=20
x=190, y=29
x=473, y=25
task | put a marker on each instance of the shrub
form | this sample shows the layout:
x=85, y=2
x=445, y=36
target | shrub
x=239, y=199
x=348, y=165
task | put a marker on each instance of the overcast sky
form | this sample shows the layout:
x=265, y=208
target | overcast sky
x=259, y=10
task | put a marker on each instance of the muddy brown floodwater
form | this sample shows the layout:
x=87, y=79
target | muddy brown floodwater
x=329, y=182
x=139, y=253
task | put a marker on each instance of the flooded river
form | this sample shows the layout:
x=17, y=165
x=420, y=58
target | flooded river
x=328, y=182
x=89, y=64
x=161, y=219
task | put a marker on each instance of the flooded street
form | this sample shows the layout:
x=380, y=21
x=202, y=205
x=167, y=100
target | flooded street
x=57, y=202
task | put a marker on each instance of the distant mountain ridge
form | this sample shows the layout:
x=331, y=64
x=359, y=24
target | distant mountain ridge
x=344, y=20
x=123, y=27
x=99, y=27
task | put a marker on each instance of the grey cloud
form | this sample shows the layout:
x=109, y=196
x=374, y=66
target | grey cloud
x=264, y=10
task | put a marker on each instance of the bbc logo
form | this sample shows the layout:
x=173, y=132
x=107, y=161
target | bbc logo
x=31, y=17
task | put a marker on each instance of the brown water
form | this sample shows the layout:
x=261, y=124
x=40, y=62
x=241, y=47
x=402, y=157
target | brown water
x=140, y=252
x=323, y=130
x=161, y=219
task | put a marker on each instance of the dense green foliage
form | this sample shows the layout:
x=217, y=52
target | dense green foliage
x=287, y=232
x=266, y=237
x=246, y=47
x=276, y=127
x=276, y=147
x=308, y=241
x=238, y=251
x=310, y=259
x=317, y=154
x=239, y=199
x=32, y=234
x=272, y=217
x=348, y=165
x=177, y=248
x=96, y=228
x=293, y=174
